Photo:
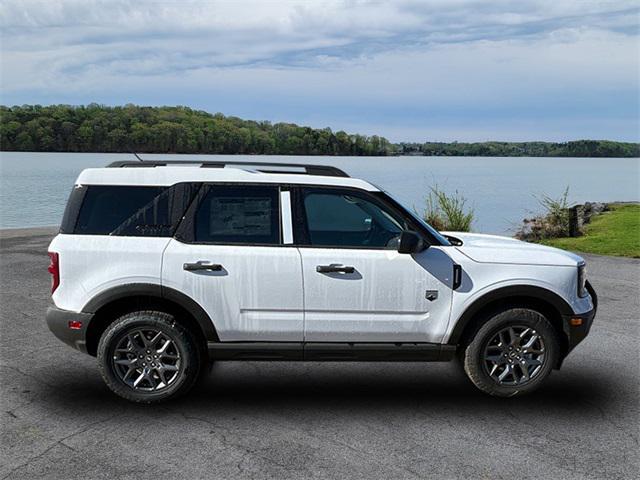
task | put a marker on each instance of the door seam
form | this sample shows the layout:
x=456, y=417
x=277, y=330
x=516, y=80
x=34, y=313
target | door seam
x=304, y=309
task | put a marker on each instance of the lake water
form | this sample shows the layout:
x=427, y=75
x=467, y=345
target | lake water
x=34, y=186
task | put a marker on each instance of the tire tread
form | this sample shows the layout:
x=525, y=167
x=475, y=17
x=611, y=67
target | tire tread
x=471, y=353
x=151, y=318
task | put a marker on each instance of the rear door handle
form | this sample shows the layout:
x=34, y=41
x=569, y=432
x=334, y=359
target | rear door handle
x=335, y=268
x=194, y=267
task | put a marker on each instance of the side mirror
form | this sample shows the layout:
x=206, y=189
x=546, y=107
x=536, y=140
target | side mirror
x=410, y=242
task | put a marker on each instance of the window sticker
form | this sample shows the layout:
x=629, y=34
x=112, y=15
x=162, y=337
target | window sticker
x=240, y=216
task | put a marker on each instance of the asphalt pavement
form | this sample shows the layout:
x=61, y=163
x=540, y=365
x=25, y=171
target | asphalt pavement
x=314, y=420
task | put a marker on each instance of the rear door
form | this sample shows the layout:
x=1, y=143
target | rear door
x=230, y=256
x=357, y=287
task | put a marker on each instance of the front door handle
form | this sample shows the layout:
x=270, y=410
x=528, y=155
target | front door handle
x=335, y=268
x=194, y=267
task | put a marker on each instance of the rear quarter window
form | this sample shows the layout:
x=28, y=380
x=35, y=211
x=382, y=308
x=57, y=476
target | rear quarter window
x=127, y=210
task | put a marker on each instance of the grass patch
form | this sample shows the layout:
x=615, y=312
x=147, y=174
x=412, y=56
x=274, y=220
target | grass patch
x=616, y=232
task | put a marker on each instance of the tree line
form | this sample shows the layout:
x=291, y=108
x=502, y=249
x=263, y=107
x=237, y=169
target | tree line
x=578, y=148
x=132, y=128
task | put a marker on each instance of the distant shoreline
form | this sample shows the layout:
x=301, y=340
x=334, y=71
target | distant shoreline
x=263, y=155
x=98, y=128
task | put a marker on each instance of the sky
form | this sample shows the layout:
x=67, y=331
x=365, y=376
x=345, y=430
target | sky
x=431, y=70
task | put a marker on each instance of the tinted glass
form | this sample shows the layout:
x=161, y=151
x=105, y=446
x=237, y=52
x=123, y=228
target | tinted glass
x=437, y=237
x=239, y=215
x=106, y=208
x=349, y=220
x=72, y=210
x=127, y=210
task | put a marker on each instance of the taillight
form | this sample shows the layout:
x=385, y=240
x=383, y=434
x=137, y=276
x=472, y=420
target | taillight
x=54, y=270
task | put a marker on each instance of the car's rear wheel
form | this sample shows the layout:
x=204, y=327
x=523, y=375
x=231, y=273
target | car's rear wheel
x=512, y=353
x=148, y=357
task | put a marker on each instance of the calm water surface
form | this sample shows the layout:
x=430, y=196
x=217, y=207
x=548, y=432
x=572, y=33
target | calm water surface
x=34, y=186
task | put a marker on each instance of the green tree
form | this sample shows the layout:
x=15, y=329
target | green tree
x=98, y=128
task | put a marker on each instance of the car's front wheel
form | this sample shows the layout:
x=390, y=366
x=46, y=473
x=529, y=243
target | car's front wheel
x=512, y=353
x=148, y=357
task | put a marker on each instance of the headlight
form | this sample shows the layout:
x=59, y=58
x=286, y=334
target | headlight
x=582, y=280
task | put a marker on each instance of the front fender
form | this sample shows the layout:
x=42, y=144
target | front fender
x=504, y=293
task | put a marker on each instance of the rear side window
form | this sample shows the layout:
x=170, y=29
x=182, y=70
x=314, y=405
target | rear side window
x=127, y=210
x=238, y=215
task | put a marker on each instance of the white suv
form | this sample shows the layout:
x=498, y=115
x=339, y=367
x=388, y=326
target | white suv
x=160, y=269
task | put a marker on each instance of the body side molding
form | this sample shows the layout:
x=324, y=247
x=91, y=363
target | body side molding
x=331, y=351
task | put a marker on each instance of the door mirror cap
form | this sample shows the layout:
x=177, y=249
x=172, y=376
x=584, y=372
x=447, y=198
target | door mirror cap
x=411, y=242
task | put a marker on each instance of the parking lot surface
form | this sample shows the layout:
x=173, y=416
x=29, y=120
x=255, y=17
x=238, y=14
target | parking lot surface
x=311, y=420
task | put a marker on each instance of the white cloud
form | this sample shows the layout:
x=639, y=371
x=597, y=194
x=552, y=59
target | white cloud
x=332, y=61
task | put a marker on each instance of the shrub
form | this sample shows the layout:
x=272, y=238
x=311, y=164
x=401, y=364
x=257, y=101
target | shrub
x=557, y=213
x=447, y=212
x=552, y=223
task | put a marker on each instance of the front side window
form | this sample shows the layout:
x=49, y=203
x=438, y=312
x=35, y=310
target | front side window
x=239, y=215
x=349, y=219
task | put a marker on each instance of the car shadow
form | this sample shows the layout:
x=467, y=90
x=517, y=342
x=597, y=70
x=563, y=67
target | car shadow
x=252, y=386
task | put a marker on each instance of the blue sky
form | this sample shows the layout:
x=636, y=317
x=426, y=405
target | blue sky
x=409, y=70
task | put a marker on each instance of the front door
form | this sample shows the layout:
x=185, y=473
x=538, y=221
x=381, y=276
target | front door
x=357, y=287
x=233, y=260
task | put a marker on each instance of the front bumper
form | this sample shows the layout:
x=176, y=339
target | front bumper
x=59, y=322
x=577, y=333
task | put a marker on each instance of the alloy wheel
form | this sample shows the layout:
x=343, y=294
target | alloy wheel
x=514, y=355
x=147, y=360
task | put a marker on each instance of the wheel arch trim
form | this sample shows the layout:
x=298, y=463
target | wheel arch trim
x=540, y=294
x=155, y=291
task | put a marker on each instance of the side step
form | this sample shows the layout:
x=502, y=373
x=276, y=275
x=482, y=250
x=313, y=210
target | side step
x=331, y=352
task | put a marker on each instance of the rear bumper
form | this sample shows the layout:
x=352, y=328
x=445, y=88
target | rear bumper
x=58, y=321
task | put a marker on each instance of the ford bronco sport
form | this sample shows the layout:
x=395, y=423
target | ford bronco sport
x=161, y=268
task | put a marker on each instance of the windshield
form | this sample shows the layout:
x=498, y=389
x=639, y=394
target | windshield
x=441, y=238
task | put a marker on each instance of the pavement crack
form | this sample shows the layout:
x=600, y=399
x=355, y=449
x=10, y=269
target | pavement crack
x=607, y=419
x=61, y=442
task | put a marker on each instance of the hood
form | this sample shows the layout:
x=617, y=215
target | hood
x=494, y=249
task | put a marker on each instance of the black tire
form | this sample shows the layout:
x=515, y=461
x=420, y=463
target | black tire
x=487, y=344
x=184, y=357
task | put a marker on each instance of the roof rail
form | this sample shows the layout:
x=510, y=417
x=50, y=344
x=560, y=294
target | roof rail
x=263, y=167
